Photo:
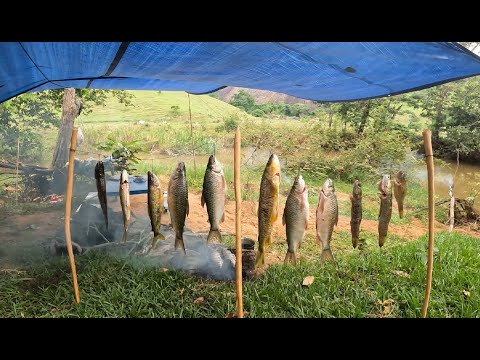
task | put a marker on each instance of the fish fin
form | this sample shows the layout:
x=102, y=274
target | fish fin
x=379, y=185
x=326, y=256
x=290, y=258
x=283, y=218
x=268, y=240
x=156, y=238
x=179, y=243
x=274, y=216
x=381, y=240
x=260, y=259
x=354, y=242
x=214, y=235
x=202, y=200
x=321, y=203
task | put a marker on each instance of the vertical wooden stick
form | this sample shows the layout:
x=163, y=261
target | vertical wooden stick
x=71, y=163
x=451, y=211
x=193, y=141
x=238, y=224
x=16, y=176
x=427, y=140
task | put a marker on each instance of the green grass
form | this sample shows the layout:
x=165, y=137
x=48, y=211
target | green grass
x=356, y=287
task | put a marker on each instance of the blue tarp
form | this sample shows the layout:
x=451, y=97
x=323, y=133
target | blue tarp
x=331, y=71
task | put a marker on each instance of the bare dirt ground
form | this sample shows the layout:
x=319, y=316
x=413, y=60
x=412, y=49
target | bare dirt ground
x=17, y=230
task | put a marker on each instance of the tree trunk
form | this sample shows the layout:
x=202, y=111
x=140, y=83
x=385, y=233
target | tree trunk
x=364, y=117
x=69, y=113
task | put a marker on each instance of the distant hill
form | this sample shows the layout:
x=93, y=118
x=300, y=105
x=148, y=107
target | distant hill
x=262, y=96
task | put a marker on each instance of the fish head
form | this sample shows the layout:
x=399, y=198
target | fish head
x=357, y=188
x=299, y=184
x=124, y=176
x=152, y=179
x=272, y=170
x=401, y=176
x=214, y=165
x=385, y=185
x=328, y=187
x=179, y=171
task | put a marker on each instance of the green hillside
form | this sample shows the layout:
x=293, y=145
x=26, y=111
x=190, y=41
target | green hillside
x=155, y=106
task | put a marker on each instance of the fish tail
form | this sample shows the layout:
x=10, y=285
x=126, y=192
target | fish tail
x=179, y=243
x=326, y=255
x=214, y=235
x=290, y=258
x=381, y=240
x=156, y=238
x=260, y=259
x=354, y=241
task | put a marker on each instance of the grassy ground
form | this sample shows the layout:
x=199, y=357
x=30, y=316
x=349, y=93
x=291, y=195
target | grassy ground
x=379, y=283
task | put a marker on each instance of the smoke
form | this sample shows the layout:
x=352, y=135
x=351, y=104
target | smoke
x=88, y=231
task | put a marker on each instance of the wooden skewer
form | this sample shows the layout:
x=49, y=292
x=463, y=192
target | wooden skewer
x=238, y=223
x=71, y=164
x=427, y=140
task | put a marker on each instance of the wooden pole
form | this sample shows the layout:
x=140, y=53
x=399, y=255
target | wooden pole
x=427, y=140
x=451, y=210
x=193, y=140
x=16, y=175
x=71, y=163
x=238, y=224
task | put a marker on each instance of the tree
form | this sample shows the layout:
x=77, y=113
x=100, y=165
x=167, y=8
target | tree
x=243, y=100
x=70, y=110
x=23, y=116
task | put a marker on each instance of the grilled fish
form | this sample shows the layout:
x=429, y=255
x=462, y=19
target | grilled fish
x=385, y=195
x=155, y=207
x=295, y=218
x=177, y=200
x=214, y=195
x=267, y=206
x=101, y=189
x=125, y=202
x=356, y=212
x=327, y=218
x=400, y=190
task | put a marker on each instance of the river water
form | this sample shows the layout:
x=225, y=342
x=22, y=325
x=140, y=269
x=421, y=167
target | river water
x=466, y=178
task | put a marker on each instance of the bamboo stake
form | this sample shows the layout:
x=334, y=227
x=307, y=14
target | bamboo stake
x=16, y=176
x=451, y=209
x=427, y=140
x=71, y=163
x=193, y=141
x=238, y=223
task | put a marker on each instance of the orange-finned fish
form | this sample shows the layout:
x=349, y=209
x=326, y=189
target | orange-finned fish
x=267, y=206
